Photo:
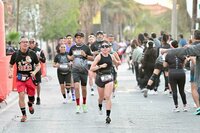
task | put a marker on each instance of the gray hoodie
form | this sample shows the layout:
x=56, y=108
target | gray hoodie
x=193, y=50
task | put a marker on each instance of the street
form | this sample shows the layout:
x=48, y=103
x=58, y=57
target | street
x=131, y=112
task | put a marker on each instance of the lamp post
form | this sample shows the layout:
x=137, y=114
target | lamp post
x=17, y=25
x=174, y=20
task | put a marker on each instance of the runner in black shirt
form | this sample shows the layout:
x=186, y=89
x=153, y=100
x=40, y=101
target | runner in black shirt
x=80, y=53
x=27, y=67
x=42, y=58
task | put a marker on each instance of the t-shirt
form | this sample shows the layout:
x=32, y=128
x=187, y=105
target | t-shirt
x=79, y=62
x=62, y=59
x=175, y=62
x=25, y=61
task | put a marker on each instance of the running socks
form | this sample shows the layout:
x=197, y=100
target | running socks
x=108, y=113
x=64, y=96
x=78, y=101
x=84, y=100
x=100, y=106
x=23, y=110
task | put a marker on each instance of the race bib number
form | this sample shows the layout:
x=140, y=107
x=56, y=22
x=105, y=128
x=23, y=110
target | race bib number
x=106, y=77
x=22, y=77
x=77, y=52
x=64, y=66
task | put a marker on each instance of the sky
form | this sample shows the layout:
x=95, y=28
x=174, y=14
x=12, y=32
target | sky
x=166, y=3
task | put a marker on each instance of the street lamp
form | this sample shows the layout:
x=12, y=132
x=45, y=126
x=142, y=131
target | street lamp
x=17, y=25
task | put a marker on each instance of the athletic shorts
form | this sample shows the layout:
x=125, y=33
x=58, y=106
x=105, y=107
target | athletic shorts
x=158, y=66
x=64, y=78
x=26, y=86
x=38, y=76
x=77, y=77
x=99, y=83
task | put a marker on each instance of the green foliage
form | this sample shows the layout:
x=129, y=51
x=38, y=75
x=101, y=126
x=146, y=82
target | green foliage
x=13, y=37
x=59, y=18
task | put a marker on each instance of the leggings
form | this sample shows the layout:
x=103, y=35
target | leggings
x=177, y=77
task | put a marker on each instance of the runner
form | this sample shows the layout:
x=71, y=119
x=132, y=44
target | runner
x=102, y=65
x=27, y=67
x=42, y=58
x=62, y=63
x=79, y=54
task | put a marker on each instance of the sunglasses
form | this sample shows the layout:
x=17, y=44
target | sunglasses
x=105, y=46
x=24, y=42
x=31, y=41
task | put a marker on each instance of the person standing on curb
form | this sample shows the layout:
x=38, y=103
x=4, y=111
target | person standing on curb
x=79, y=54
x=191, y=50
x=176, y=76
x=27, y=66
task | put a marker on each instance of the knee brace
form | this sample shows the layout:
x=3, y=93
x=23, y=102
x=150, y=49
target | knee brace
x=31, y=99
x=154, y=77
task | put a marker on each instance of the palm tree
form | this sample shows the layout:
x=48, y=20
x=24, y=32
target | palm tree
x=119, y=12
x=88, y=9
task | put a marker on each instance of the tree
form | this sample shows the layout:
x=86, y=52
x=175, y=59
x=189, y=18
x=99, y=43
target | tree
x=119, y=12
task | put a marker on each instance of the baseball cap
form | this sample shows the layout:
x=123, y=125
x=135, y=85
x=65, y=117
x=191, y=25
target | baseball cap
x=99, y=32
x=79, y=34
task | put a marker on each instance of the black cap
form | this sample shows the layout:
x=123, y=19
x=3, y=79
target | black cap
x=99, y=32
x=110, y=35
x=79, y=34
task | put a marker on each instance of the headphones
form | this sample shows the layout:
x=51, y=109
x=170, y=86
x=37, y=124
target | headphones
x=148, y=43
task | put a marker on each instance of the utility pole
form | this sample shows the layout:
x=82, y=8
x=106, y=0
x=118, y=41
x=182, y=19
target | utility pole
x=194, y=15
x=174, y=20
x=17, y=25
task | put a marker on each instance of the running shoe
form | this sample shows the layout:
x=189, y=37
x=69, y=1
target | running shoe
x=108, y=120
x=38, y=101
x=185, y=109
x=176, y=109
x=68, y=99
x=145, y=92
x=78, y=109
x=100, y=112
x=113, y=95
x=31, y=110
x=65, y=101
x=84, y=106
x=24, y=118
x=197, y=111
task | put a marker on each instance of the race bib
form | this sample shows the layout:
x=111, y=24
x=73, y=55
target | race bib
x=106, y=77
x=77, y=52
x=22, y=77
x=64, y=66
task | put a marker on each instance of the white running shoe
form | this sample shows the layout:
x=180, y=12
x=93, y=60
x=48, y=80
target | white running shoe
x=151, y=92
x=185, y=109
x=65, y=101
x=176, y=110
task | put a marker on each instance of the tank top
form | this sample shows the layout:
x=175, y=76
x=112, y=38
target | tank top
x=108, y=61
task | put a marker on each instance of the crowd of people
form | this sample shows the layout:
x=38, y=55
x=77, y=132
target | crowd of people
x=149, y=57
x=98, y=61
